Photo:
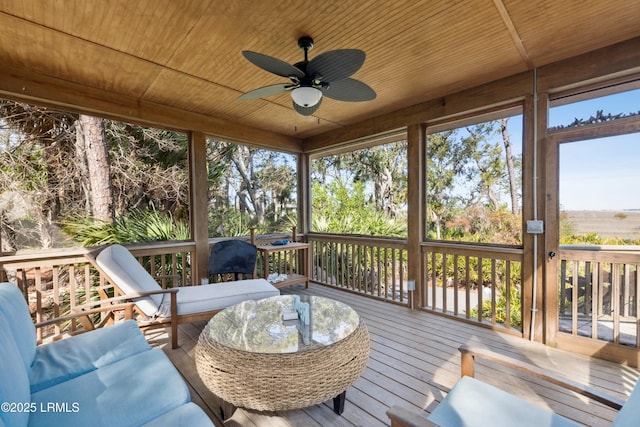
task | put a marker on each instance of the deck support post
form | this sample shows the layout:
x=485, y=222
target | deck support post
x=416, y=135
x=198, y=198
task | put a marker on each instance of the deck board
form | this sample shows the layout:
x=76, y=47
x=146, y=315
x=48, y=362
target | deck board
x=414, y=362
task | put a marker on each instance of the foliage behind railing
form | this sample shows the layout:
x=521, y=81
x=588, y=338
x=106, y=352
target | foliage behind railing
x=459, y=278
x=373, y=266
x=598, y=293
x=55, y=282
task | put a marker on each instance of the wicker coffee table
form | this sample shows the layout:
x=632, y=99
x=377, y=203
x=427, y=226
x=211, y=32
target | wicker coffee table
x=250, y=357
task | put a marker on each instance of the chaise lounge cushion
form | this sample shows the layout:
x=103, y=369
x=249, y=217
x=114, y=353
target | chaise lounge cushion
x=130, y=392
x=131, y=276
x=199, y=299
x=474, y=403
x=61, y=360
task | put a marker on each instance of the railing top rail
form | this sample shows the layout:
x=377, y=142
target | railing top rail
x=388, y=242
x=481, y=250
x=601, y=256
x=601, y=248
x=50, y=256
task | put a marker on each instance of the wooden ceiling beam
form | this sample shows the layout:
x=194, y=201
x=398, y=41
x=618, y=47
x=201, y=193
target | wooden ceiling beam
x=23, y=85
x=513, y=32
x=620, y=59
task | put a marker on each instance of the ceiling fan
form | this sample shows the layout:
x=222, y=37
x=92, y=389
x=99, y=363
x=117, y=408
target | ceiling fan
x=325, y=75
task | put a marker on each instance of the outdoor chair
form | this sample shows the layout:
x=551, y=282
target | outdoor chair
x=472, y=403
x=232, y=257
x=159, y=307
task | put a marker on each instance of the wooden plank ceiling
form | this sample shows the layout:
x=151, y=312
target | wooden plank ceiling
x=187, y=54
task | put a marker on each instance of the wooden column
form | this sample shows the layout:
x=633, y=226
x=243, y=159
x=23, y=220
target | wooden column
x=304, y=193
x=528, y=182
x=198, y=192
x=549, y=209
x=534, y=179
x=415, y=207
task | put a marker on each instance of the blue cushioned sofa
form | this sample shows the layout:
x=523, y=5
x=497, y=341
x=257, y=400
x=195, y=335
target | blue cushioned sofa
x=107, y=377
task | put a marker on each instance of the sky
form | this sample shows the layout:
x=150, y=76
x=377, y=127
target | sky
x=603, y=173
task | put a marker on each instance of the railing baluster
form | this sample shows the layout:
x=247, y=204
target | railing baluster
x=493, y=291
x=615, y=301
x=444, y=282
x=574, y=298
x=626, y=290
x=456, y=302
x=467, y=266
x=480, y=288
x=507, y=287
x=597, y=301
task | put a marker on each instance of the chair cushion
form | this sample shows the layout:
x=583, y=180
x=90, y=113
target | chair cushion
x=472, y=403
x=14, y=308
x=189, y=415
x=130, y=392
x=14, y=381
x=198, y=299
x=629, y=415
x=61, y=360
x=131, y=277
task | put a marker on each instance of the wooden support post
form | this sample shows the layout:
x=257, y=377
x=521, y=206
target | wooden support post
x=415, y=207
x=198, y=190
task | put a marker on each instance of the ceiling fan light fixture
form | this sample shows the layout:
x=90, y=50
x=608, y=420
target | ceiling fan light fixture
x=306, y=96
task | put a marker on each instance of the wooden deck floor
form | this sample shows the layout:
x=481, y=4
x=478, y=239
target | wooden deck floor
x=414, y=362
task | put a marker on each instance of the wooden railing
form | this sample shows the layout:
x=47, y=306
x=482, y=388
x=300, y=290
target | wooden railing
x=371, y=266
x=460, y=278
x=55, y=282
x=598, y=293
x=598, y=287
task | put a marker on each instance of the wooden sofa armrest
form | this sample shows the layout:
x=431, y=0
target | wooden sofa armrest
x=129, y=297
x=469, y=354
x=402, y=417
x=84, y=314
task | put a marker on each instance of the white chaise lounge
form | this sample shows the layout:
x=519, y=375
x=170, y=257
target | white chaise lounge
x=169, y=307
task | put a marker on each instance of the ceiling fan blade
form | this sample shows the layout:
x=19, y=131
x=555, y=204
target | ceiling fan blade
x=306, y=111
x=272, y=65
x=265, y=91
x=350, y=90
x=336, y=64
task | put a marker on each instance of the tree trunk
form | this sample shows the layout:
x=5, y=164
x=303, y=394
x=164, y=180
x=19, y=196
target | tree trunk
x=83, y=169
x=240, y=156
x=510, y=168
x=92, y=130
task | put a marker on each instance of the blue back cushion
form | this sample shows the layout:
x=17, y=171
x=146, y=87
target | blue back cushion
x=14, y=309
x=14, y=381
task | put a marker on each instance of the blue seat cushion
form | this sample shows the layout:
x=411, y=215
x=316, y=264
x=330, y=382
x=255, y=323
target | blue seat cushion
x=189, y=415
x=65, y=359
x=472, y=403
x=130, y=392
